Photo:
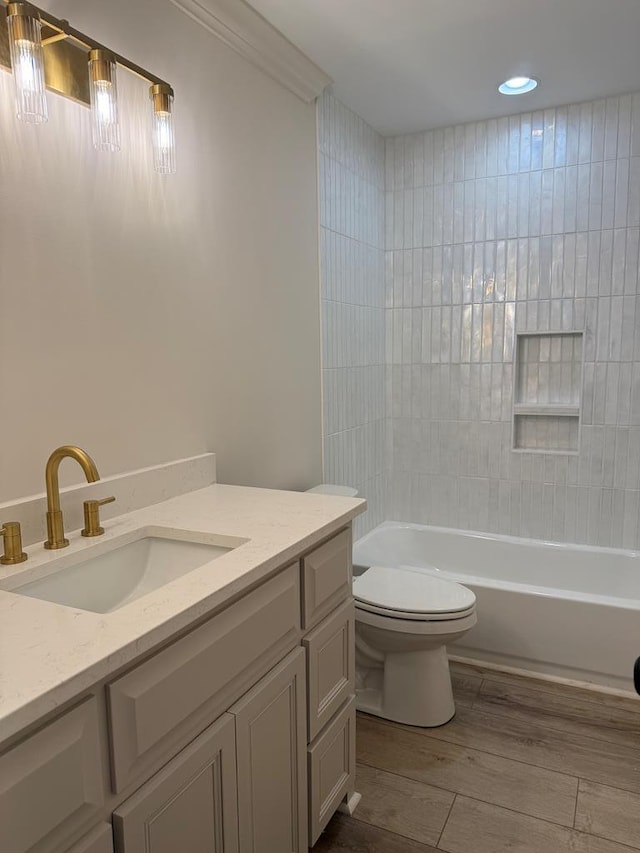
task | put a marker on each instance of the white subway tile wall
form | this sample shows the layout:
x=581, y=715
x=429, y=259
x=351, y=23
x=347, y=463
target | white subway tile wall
x=351, y=162
x=531, y=224
x=523, y=224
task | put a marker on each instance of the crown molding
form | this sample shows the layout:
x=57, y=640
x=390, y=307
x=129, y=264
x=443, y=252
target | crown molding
x=238, y=25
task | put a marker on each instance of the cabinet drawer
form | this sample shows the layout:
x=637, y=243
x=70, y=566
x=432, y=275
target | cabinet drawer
x=330, y=666
x=326, y=577
x=98, y=841
x=332, y=762
x=164, y=702
x=52, y=783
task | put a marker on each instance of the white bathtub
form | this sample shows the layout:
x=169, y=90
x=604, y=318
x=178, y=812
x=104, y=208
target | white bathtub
x=561, y=610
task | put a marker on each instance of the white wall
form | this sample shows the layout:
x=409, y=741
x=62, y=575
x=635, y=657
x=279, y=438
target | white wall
x=530, y=223
x=148, y=318
x=353, y=304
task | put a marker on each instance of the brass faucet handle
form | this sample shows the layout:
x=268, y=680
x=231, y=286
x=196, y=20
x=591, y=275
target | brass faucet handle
x=13, y=553
x=92, y=517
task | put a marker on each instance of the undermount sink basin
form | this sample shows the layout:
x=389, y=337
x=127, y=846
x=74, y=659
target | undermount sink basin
x=110, y=580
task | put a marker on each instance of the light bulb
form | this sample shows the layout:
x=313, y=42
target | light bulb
x=518, y=86
x=163, y=130
x=27, y=61
x=104, y=100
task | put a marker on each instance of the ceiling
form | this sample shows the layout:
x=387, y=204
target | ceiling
x=409, y=65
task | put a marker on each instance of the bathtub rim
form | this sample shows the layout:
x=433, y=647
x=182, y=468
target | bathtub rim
x=512, y=586
x=502, y=537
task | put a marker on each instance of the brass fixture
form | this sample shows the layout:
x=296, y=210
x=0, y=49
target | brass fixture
x=161, y=94
x=13, y=553
x=55, y=522
x=92, y=517
x=101, y=65
x=68, y=62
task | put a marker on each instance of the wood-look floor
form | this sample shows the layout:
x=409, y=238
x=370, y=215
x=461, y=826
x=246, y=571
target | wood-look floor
x=525, y=766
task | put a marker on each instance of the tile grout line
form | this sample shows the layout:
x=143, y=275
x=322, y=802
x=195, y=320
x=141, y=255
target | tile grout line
x=457, y=794
x=401, y=727
x=495, y=754
x=590, y=739
x=575, y=810
x=544, y=820
x=455, y=797
x=551, y=823
x=389, y=831
x=526, y=763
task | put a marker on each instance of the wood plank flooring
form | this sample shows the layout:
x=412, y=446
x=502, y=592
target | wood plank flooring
x=525, y=766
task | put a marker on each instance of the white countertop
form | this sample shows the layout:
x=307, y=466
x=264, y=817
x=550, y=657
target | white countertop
x=50, y=653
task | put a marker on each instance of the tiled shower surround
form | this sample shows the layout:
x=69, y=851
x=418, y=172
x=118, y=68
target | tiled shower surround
x=528, y=223
x=353, y=304
x=523, y=224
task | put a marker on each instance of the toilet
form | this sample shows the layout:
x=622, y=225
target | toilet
x=404, y=620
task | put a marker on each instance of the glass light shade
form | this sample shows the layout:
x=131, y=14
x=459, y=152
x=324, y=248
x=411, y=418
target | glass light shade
x=104, y=100
x=27, y=62
x=518, y=86
x=163, y=130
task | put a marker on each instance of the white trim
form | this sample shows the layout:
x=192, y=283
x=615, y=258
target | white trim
x=239, y=26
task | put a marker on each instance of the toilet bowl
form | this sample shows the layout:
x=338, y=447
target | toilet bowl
x=404, y=621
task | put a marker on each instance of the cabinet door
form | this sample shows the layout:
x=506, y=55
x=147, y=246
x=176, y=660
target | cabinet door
x=190, y=806
x=271, y=745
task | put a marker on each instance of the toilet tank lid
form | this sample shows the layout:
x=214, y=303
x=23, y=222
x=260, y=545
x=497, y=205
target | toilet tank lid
x=330, y=489
x=406, y=590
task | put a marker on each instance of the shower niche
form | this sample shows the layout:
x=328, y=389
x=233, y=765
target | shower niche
x=547, y=392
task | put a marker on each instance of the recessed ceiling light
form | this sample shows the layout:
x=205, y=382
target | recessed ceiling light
x=518, y=86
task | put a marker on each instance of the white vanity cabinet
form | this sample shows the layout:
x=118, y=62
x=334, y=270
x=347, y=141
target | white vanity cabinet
x=240, y=786
x=236, y=737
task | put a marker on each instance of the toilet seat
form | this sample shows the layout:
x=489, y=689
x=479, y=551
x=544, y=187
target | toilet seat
x=403, y=594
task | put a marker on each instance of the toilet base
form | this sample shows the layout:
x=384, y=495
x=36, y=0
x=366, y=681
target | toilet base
x=413, y=688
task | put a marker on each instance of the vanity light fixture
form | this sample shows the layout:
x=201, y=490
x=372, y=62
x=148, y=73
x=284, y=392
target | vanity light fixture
x=518, y=86
x=47, y=53
x=27, y=60
x=163, y=131
x=104, y=100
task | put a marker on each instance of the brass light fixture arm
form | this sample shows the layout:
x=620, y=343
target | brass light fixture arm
x=65, y=31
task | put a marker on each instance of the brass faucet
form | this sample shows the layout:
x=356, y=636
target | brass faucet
x=55, y=522
x=13, y=552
